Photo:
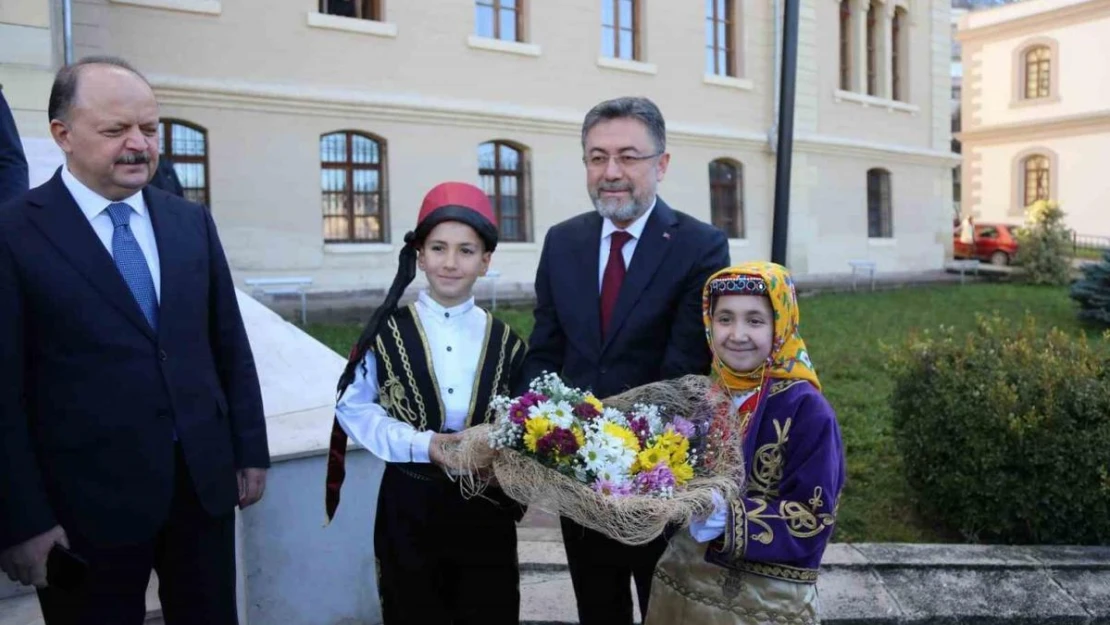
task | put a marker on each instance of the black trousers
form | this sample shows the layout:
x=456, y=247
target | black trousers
x=601, y=569
x=194, y=555
x=444, y=559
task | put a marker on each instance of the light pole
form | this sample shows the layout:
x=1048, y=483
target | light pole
x=780, y=224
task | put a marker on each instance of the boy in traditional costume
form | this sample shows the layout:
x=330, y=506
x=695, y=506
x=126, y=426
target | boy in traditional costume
x=419, y=375
x=755, y=559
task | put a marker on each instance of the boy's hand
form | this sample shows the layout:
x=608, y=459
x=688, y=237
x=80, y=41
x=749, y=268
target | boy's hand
x=439, y=452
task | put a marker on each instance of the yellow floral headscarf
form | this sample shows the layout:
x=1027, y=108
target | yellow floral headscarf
x=789, y=358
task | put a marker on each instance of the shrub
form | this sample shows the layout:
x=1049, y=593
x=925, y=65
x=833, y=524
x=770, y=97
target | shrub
x=1005, y=432
x=1092, y=292
x=1044, y=245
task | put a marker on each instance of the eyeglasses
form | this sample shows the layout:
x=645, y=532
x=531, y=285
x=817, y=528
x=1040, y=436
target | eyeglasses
x=624, y=161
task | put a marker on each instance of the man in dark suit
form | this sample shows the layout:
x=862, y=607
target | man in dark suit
x=618, y=305
x=13, y=164
x=131, y=420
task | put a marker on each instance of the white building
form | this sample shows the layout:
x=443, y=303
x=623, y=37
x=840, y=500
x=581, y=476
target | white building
x=314, y=136
x=1036, y=103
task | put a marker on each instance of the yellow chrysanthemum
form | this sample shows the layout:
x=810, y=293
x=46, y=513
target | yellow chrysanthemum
x=682, y=473
x=535, y=429
x=579, y=435
x=624, y=434
x=593, y=401
x=650, y=457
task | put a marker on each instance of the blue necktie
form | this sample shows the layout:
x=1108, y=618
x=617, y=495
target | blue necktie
x=132, y=263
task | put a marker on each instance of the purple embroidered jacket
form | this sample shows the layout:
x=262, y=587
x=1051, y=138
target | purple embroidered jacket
x=795, y=462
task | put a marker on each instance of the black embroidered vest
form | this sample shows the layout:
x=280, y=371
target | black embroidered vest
x=407, y=386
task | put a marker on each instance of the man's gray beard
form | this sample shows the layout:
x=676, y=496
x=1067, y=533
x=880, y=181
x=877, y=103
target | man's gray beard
x=620, y=212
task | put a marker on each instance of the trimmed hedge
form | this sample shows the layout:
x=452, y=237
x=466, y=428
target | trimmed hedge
x=1005, y=432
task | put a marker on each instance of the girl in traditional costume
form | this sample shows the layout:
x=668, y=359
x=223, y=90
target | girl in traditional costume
x=419, y=375
x=755, y=559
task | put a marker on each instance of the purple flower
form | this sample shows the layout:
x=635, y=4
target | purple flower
x=531, y=398
x=640, y=427
x=518, y=413
x=612, y=489
x=655, y=480
x=683, y=427
x=559, y=441
x=586, y=412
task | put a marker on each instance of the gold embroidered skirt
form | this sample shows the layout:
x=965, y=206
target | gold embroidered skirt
x=687, y=590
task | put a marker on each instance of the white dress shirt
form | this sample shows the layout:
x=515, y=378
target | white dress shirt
x=709, y=528
x=93, y=205
x=455, y=338
x=635, y=229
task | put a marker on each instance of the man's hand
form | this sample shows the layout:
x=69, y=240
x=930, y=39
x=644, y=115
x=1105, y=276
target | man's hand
x=438, y=450
x=252, y=483
x=26, y=562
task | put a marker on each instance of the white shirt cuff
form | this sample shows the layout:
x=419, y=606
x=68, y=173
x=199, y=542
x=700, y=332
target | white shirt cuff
x=419, y=445
x=705, y=530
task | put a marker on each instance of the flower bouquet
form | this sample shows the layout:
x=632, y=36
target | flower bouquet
x=628, y=466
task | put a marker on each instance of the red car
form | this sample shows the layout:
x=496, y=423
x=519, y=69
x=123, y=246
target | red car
x=994, y=243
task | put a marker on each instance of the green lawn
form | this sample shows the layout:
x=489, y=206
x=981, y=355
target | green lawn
x=1086, y=253
x=844, y=333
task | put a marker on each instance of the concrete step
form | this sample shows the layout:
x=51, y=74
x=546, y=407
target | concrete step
x=880, y=584
x=23, y=608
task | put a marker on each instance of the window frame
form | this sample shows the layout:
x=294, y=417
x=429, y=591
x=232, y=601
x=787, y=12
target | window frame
x=497, y=6
x=522, y=184
x=348, y=166
x=730, y=43
x=165, y=130
x=880, y=226
x=733, y=225
x=637, y=23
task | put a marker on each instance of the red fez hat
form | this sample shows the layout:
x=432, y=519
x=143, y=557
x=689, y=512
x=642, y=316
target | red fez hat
x=456, y=201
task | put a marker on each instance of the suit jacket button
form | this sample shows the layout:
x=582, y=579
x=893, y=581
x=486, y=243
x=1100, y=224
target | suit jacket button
x=162, y=355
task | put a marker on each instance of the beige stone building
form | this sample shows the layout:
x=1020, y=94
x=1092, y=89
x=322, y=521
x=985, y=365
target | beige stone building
x=1036, y=111
x=314, y=127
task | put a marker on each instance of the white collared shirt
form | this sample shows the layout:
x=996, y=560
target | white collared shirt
x=636, y=229
x=455, y=338
x=94, y=206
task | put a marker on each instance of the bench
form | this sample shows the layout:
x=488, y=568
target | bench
x=284, y=286
x=492, y=275
x=963, y=266
x=861, y=267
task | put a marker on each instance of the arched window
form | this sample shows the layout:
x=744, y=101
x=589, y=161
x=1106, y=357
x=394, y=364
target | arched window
x=185, y=145
x=352, y=187
x=1037, y=176
x=726, y=197
x=1038, y=72
x=502, y=169
x=880, y=221
x=846, y=45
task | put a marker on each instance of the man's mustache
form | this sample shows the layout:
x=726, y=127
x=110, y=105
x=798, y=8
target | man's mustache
x=614, y=187
x=134, y=159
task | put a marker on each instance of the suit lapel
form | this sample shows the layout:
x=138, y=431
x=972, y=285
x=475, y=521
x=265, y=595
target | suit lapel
x=55, y=213
x=588, y=269
x=653, y=246
x=165, y=221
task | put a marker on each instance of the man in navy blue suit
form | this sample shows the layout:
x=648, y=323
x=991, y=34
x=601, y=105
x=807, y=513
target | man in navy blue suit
x=131, y=420
x=13, y=163
x=618, y=305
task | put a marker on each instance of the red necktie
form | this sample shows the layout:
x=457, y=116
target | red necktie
x=614, y=276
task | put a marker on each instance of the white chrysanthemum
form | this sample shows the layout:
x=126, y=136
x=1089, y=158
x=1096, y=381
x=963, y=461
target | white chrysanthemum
x=613, y=473
x=560, y=413
x=612, y=415
x=593, y=454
